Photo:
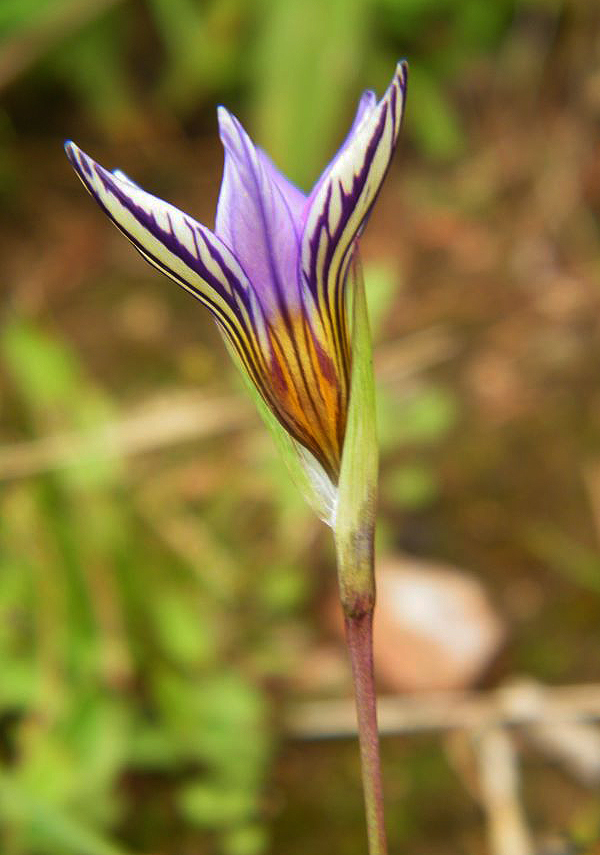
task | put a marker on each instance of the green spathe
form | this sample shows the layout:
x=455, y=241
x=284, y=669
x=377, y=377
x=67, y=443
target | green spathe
x=357, y=488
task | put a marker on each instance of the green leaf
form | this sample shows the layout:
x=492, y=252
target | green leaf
x=248, y=839
x=424, y=417
x=92, y=64
x=211, y=804
x=282, y=589
x=381, y=288
x=48, y=827
x=433, y=119
x=45, y=371
x=202, y=42
x=412, y=486
x=307, y=56
x=575, y=561
x=186, y=630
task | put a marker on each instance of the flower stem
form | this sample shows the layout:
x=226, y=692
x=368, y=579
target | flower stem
x=359, y=635
x=354, y=535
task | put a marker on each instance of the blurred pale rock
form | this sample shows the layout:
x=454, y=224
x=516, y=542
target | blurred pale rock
x=434, y=626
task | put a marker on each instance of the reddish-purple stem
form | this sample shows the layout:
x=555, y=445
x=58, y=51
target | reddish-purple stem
x=359, y=634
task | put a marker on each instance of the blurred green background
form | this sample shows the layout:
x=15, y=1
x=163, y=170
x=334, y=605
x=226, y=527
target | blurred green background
x=161, y=584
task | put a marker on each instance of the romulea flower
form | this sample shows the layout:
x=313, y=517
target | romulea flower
x=274, y=272
x=279, y=274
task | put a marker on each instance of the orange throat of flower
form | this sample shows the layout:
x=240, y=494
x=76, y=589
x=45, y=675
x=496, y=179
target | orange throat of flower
x=308, y=389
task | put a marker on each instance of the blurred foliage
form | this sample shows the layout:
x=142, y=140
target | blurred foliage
x=113, y=652
x=141, y=630
x=317, y=49
x=124, y=651
x=298, y=64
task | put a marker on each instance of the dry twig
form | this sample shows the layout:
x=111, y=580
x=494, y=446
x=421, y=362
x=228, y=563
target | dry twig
x=523, y=703
x=497, y=763
x=157, y=424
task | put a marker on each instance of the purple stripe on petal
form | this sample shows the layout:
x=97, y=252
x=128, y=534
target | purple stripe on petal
x=338, y=210
x=170, y=239
x=274, y=271
x=185, y=251
x=366, y=105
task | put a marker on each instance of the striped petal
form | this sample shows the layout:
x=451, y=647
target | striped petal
x=338, y=210
x=273, y=273
x=259, y=216
x=276, y=348
x=366, y=105
x=184, y=250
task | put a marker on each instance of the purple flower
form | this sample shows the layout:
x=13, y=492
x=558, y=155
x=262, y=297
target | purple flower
x=273, y=272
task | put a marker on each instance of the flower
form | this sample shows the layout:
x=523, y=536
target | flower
x=274, y=271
